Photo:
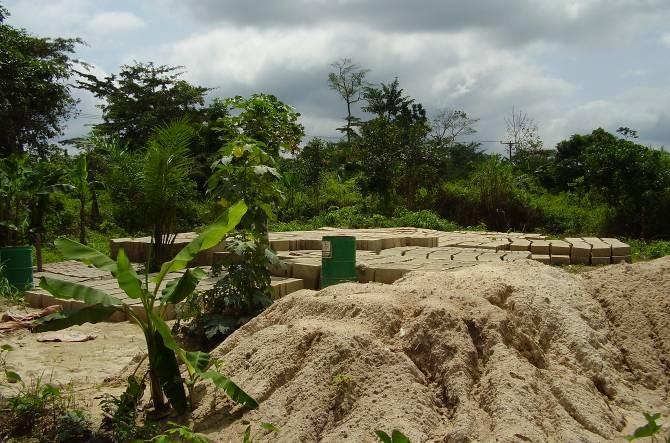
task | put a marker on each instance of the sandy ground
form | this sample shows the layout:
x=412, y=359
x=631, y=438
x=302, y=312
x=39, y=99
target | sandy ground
x=498, y=352
x=91, y=368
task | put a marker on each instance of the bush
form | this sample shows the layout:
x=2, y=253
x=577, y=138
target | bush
x=354, y=217
x=564, y=214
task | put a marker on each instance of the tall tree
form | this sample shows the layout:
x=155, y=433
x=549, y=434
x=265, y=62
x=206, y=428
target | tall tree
x=142, y=97
x=393, y=143
x=348, y=80
x=451, y=124
x=35, y=98
x=522, y=133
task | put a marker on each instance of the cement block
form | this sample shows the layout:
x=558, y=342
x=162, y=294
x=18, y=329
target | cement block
x=520, y=244
x=600, y=260
x=580, y=249
x=559, y=247
x=619, y=248
x=33, y=298
x=601, y=250
x=540, y=247
x=309, y=272
x=280, y=245
x=560, y=259
x=542, y=258
x=580, y=259
x=293, y=284
x=490, y=257
x=366, y=274
x=389, y=275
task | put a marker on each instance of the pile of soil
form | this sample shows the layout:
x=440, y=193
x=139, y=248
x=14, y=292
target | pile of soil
x=498, y=352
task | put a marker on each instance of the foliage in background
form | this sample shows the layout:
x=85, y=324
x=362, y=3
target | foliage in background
x=35, y=98
x=140, y=98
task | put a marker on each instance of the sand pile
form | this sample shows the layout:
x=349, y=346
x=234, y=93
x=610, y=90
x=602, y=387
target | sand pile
x=506, y=352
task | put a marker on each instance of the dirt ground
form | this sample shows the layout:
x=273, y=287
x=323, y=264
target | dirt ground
x=91, y=368
x=499, y=352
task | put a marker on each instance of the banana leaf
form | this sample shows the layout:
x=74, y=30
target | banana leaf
x=85, y=254
x=210, y=237
x=127, y=277
x=74, y=291
x=65, y=319
x=178, y=290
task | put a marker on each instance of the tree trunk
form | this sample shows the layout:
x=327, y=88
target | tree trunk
x=348, y=122
x=82, y=221
x=38, y=251
x=94, y=219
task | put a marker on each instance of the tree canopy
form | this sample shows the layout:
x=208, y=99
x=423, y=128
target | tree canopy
x=35, y=98
x=142, y=97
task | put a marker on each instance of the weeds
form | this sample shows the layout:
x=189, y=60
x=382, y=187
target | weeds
x=7, y=291
x=179, y=433
x=651, y=429
x=265, y=427
x=46, y=413
x=395, y=437
x=120, y=414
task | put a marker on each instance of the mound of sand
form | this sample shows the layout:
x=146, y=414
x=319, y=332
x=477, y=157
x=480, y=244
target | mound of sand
x=499, y=352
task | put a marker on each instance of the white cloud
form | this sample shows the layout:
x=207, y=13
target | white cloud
x=646, y=110
x=665, y=39
x=114, y=22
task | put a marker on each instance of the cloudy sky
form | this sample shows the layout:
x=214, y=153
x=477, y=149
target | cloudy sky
x=572, y=65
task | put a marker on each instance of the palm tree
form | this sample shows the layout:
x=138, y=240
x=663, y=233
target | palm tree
x=166, y=183
x=84, y=189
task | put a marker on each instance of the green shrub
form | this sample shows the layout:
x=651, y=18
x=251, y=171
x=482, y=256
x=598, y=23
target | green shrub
x=565, y=214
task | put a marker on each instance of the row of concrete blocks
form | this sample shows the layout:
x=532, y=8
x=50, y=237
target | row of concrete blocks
x=38, y=298
x=137, y=250
x=362, y=244
x=585, y=260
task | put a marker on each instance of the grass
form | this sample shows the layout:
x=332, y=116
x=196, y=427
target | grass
x=352, y=217
x=648, y=250
x=96, y=240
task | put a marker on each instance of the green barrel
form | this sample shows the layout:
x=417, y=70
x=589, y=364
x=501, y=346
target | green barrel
x=338, y=261
x=17, y=266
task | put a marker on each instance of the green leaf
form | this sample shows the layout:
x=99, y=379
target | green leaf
x=164, y=330
x=199, y=360
x=62, y=320
x=164, y=362
x=12, y=377
x=74, y=291
x=247, y=435
x=210, y=237
x=85, y=254
x=383, y=437
x=399, y=437
x=233, y=391
x=648, y=430
x=270, y=427
x=127, y=277
x=178, y=290
x=7, y=347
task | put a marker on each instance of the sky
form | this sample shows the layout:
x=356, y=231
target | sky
x=571, y=65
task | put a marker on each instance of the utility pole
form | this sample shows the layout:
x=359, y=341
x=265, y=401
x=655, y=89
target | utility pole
x=509, y=148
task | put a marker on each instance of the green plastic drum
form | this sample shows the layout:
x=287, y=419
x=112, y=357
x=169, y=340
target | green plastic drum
x=338, y=261
x=17, y=266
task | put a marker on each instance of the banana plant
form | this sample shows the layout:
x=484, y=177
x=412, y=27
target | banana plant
x=164, y=352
